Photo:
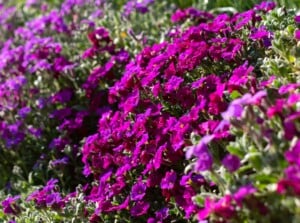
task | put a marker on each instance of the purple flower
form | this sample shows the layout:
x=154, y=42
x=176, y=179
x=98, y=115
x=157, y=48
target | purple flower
x=291, y=181
x=231, y=162
x=140, y=208
x=138, y=191
x=23, y=112
x=260, y=33
x=62, y=96
x=50, y=185
x=96, y=14
x=162, y=214
x=61, y=64
x=122, y=57
x=47, y=196
x=41, y=103
x=142, y=6
x=52, y=198
x=182, y=14
x=131, y=102
x=234, y=111
x=200, y=147
x=36, y=132
x=265, y=6
x=173, y=84
x=9, y=205
x=158, y=158
x=204, y=161
x=240, y=76
x=58, y=143
x=61, y=114
x=59, y=162
x=244, y=18
x=16, y=83
x=168, y=182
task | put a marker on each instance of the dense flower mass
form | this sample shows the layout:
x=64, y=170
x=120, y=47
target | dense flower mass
x=125, y=117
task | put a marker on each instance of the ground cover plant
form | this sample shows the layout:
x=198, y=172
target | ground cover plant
x=147, y=111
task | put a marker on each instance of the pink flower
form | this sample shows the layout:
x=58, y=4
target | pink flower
x=222, y=207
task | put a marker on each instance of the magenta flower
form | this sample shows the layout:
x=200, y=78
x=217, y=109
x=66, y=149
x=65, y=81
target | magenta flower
x=297, y=19
x=9, y=205
x=222, y=207
x=138, y=191
x=293, y=99
x=162, y=214
x=140, y=208
x=291, y=181
x=243, y=192
x=158, y=158
x=131, y=102
x=244, y=18
x=277, y=108
x=168, y=182
x=240, y=76
x=204, y=161
x=151, y=220
x=260, y=33
x=288, y=88
x=179, y=16
x=290, y=129
x=293, y=155
x=99, y=36
x=173, y=84
x=265, y=6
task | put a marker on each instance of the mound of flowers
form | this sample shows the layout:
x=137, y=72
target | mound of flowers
x=195, y=120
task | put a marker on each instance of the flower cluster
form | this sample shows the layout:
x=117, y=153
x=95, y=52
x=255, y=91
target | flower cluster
x=201, y=125
x=164, y=95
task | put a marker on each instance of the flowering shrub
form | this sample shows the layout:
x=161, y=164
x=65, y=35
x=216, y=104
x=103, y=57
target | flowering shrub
x=193, y=119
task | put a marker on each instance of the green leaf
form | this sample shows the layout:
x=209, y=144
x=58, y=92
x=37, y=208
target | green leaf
x=235, y=151
x=256, y=160
x=235, y=94
x=199, y=200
